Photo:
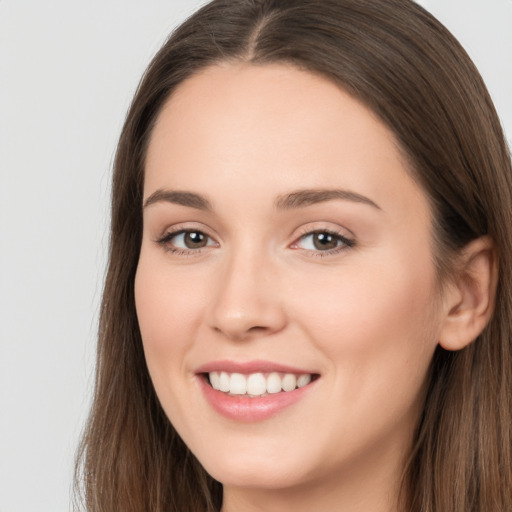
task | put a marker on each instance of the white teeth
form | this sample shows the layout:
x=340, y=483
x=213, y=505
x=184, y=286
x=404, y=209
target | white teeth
x=215, y=380
x=257, y=384
x=238, y=384
x=289, y=382
x=303, y=380
x=274, y=383
x=224, y=382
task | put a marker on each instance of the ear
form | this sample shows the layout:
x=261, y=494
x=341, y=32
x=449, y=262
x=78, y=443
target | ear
x=469, y=298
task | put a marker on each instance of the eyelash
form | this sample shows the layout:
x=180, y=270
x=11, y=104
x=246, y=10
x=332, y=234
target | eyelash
x=166, y=239
x=346, y=243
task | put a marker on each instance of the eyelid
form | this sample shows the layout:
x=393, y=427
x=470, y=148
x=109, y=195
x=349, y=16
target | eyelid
x=348, y=241
x=171, y=232
x=181, y=227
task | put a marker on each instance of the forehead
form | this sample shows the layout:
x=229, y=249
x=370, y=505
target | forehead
x=272, y=128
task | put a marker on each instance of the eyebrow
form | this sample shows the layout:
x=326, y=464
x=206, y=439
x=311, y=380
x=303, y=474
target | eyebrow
x=296, y=199
x=189, y=199
x=302, y=198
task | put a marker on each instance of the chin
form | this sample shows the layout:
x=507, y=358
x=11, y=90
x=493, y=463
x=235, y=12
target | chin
x=247, y=474
x=269, y=465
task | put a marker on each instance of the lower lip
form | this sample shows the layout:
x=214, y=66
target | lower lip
x=247, y=409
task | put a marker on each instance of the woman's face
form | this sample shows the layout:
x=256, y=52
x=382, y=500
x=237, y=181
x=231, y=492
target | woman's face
x=284, y=245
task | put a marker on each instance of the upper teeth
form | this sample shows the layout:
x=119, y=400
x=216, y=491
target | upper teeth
x=257, y=384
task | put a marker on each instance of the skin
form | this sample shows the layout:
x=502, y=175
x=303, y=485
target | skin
x=366, y=317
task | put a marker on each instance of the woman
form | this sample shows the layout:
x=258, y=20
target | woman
x=308, y=304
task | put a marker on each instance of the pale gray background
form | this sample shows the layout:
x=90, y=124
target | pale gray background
x=68, y=70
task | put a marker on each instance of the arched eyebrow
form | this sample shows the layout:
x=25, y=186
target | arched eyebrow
x=190, y=199
x=296, y=199
x=302, y=198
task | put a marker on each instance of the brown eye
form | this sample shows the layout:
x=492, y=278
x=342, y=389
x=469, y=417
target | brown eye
x=186, y=240
x=325, y=241
x=195, y=239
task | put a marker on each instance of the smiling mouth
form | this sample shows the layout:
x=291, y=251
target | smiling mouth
x=257, y=385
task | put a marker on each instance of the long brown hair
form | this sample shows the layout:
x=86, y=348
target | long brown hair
x=401, y=62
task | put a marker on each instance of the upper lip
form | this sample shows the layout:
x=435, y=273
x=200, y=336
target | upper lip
x=246, y=367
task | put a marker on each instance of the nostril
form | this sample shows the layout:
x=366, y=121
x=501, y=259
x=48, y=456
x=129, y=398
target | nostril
x=258, y=328
x=242, y=332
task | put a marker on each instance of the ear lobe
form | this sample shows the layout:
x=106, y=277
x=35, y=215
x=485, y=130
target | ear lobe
x=469, y=299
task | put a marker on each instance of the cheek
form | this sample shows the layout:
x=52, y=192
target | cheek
x=353, y=304
x=375, y=322
x=169, y=310
x=376, y=330
x=166, y=302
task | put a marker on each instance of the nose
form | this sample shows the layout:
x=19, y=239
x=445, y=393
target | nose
x=247, y=302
